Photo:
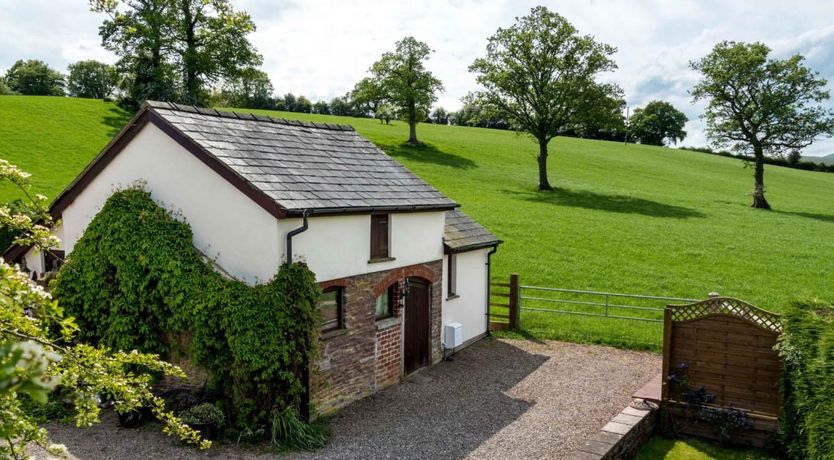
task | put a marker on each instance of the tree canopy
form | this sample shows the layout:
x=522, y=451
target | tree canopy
x=91, y=79
x=34, y=78
x=539, y=74
x=760, y=105
x=250, y=88
x=406, y=83
x=657, y=123
x=367, y=95
x=175, y=49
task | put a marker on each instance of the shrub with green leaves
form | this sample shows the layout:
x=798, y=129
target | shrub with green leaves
x=135, y=277
x=203, y=413
x=807, y=349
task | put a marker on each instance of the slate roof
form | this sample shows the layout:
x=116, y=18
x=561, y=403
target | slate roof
x=463, y=233
x=322, y=168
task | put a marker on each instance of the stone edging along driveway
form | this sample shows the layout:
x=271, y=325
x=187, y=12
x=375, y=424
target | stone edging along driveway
x=497, y=399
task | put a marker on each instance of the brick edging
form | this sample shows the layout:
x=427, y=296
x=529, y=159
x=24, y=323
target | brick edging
x=622, y=437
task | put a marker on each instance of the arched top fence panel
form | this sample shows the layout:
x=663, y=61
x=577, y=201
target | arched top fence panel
x=727, y=306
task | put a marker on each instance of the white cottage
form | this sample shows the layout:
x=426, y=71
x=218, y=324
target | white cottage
x=404, y=273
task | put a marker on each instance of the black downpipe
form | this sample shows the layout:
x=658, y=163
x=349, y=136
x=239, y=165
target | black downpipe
x=488, y=283
x=292, y=233
x=305, y=365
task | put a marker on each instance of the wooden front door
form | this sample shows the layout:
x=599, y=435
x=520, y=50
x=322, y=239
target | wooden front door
x=417, y=326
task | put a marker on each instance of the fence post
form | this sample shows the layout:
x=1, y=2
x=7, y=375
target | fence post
x=667, y=353
x=515, y=301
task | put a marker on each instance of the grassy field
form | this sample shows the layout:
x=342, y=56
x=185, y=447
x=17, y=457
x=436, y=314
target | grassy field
x=635, y=219
x=659, y=448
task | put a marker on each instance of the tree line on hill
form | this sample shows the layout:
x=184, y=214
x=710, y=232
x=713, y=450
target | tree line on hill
x=540, y=76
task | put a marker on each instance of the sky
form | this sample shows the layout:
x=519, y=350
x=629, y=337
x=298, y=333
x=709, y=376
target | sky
x=320, y=48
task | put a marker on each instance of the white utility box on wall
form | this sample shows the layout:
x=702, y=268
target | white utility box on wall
x=453, y=335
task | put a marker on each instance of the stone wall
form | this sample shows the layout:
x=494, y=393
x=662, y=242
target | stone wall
x=622, y=437
x=366, y=355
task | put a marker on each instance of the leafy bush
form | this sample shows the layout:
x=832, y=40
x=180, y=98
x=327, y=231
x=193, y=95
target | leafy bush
x=203, y=413
x=135, y=277
x=807, y=349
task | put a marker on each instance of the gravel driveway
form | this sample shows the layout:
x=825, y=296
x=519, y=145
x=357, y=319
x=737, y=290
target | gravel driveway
x=496, y=399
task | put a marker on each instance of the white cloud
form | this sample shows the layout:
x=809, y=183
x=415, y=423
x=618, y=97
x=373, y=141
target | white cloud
x=320, y=48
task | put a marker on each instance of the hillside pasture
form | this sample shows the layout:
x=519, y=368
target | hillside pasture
x=633, y=219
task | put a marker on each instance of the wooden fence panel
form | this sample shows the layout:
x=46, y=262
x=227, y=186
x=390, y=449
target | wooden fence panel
x=727, y=346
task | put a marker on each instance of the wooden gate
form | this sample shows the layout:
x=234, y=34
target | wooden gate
x=726, y=346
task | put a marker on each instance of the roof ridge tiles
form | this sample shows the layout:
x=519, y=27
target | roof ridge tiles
x=244, y=116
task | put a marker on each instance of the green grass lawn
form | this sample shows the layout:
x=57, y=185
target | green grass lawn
x=634, y=219
x=659, y=448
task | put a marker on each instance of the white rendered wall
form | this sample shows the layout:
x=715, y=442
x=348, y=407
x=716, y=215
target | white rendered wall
x=339, y=246
x=34, y=259
x=469, y=308
x=228, y=226
x=244, y=239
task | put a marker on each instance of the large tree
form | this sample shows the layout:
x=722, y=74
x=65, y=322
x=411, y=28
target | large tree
x=759, y=105
x=91, y=79
x=139, y=32
x=601, y=115
x=34, y=78
x=211, y=43
x=540, y=74
x=406, y=82
x=250, y=88
x=4, y=89
x=175, y=49
x=657, y=123
x=368, y=95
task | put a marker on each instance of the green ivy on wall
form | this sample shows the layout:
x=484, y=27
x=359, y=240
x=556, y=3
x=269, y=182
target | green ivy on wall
x=135, y=277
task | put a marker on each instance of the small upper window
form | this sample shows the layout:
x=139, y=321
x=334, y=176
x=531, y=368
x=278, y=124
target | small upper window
x=379, y=236
x=331, y=309
x=452, y=276
x=385, y=303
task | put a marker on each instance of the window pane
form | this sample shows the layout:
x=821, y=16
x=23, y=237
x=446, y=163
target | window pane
x=379, y=236
x=330, y=308
x=452, y=278
x=382, y=306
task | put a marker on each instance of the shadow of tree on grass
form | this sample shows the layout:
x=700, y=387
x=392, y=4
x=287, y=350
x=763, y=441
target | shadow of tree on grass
x=427, y=153
x=116, y=118
x=609, y=203
x=810, y=215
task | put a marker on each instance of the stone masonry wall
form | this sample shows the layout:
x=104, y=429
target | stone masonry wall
x=366, y=355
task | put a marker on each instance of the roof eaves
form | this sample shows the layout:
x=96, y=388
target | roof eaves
x=372, y=209
x=471, y=247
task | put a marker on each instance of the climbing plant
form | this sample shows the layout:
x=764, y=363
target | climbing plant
x=41, y=360
x=134, y=279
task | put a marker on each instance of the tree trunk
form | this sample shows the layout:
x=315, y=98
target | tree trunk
x=544, y=184
x=759, y=200
x=412, y=132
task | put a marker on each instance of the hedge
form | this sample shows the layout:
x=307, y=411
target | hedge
x=807, y=349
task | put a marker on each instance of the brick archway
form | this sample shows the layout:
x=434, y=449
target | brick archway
x=339, y=282
x=399, y=274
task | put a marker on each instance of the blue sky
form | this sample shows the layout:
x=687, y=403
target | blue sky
x=321, y=48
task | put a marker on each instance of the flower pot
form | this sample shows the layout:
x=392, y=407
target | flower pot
x=207, y=430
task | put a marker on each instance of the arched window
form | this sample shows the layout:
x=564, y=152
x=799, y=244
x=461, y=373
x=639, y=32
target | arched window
x=385, y=303
x=331, y=305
